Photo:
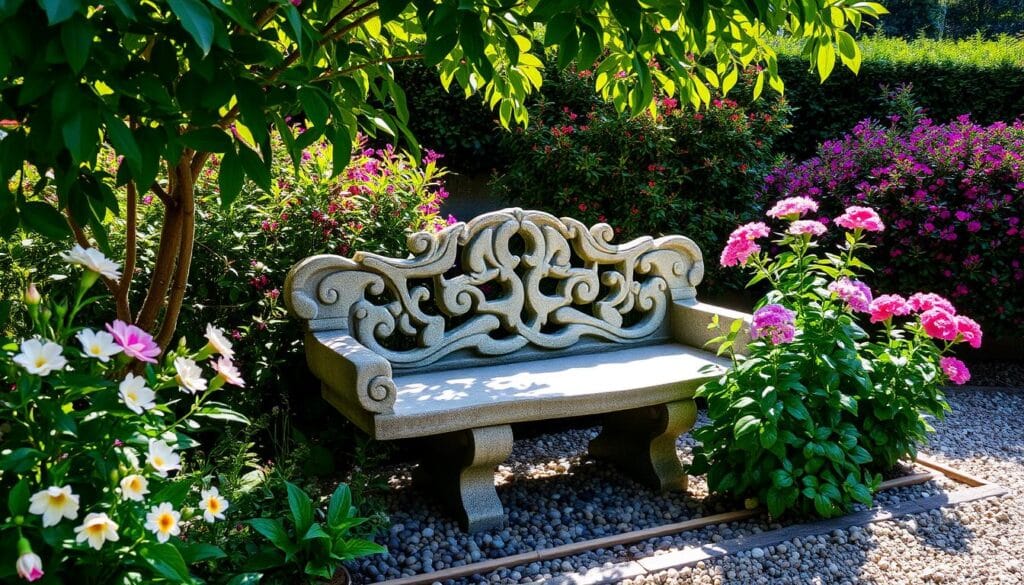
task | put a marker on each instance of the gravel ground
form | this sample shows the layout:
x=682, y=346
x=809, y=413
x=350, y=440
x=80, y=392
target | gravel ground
x=555, y=496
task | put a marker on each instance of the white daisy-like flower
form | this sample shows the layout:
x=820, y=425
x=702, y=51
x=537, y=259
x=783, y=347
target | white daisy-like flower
x=134, y=487
x=190, y=375
x=226, y=369
x=92, y=259
x=212, y=505
x=54, y=503
x=98, y=344
x=218, y=342
x=97, y=528
x=135, y=394
x=162, y=457
x=40, y=358
x=163, y=521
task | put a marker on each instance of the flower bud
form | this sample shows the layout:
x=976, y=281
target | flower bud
x=29, y=565
x=32, y=296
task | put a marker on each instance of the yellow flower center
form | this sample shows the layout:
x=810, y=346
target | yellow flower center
x=165, y=522
x=40, y=361
x=58, y=500
x=135, y=485
x=132, y=396
x=95, y=350
x=96, y=529
x=213, y=505
x=158, y=461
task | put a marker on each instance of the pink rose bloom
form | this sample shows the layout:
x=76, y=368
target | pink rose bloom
x=939, y=324
x=885, y=307
x=854, y=292
x=955, y=370
x=741, y=243
x=921, y=302
x=793, y=207
x=135, y=342
x=863, y=218
x=774, y=322
x=806, y=226
x=969, y=330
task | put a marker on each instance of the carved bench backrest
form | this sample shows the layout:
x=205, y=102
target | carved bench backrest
x=508, y=281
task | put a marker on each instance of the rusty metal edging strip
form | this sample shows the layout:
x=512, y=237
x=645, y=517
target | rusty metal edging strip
x=570, y=549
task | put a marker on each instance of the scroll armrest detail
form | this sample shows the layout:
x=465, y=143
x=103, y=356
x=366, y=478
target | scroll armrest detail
x=349, y=368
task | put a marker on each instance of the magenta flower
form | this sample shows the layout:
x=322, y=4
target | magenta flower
x=741, y=243
x=969, y=331
x=885, y=307
x=793, y=207
x=921, y=302
x=939, y=324
x=806, y=226
x=135, y=342
x=775, y=322
x=863, y=218
x=955, y=370
x=854, y=292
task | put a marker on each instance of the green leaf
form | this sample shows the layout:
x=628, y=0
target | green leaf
x=316, y=531
x=195, y=552
x=859, y=492
x=301, y=507
x=230, y=178
x=173, y=492
x=628, y=13
x=314, y=106
x=246, y=579
x=168, y=562
x=81, y=133
x=340, y=507
x=348, y=549
x=57, y=11
x=824, y=506
x=197, y=20
x=390, y=9
x=76, y=37
x=776, y=502
x=17, y=500
x=207, y=140
x=124, y=143
x=273, y=530
x=826, y=58
x=254, y=167
x=294, y=19
x=745, y=426
x=42, y=218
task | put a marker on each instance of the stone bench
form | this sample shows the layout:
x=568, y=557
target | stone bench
x=512, y=317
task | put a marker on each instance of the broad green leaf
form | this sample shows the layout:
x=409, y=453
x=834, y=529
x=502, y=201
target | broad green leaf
x=124, y=143
x=57, y=11
x=826, y=58
x=17, y=500
x=314, y=106
x=197, y=20
x=390, y=9
x=230, y=178
x=168, y=562
x=301, y=507
x=207, y=140
x=273, y=530
x=340, y=506
x=745, y=425
x=347, y=549
x=76, y=37
x=195, y=552
x=42, y=218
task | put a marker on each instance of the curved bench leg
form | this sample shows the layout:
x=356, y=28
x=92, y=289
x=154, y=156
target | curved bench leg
x=459, y=468
x=642, y=443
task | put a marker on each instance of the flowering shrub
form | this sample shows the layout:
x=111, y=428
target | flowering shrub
x=952, y=199
x=816, y=407
x=94, y=424
x=686, y=172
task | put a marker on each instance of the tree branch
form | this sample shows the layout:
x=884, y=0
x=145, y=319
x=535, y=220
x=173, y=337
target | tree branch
x=159, y=192
x=186, y=209
x=347, y=70
x=166, y=260
x=124, y=310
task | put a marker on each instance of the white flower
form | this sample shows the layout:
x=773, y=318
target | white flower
x=135, y=395
x=190, y=375
x=227, y=370
x=217, y=341
x=134, y=487
x=29, y=567
x=39, y=358
x=162, y=457
x=53, y=503
x=92, y=259
x=163, y=521
x=97, y=529
x=212, y=505
x=98, y=344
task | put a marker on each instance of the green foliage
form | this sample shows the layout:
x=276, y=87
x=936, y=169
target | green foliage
x=684, y=172
x=952, y=20
x=816, y=407
x=317, y=543
x=950, y=78
x=89, y=420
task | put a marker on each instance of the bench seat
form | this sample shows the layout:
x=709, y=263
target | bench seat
x=431, y=403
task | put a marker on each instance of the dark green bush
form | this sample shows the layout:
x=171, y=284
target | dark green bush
x=686, y=172
x=950, y=78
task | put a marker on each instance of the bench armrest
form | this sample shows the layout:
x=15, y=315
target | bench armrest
x=690, y=323
x=358, y=375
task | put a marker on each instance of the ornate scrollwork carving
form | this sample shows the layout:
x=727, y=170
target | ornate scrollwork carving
x=503, y=281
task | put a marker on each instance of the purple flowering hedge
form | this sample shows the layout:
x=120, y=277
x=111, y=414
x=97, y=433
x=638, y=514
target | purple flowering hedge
x=951, y=197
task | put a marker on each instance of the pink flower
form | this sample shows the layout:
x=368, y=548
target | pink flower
x=775, y=322
x=885, y=307
x=969, y=330
x=135, y=342
x=29, y=566
x=806, y=226
x=854, y=292
x=741, y=243
x=793, y=207
x=863, y=218
x=940, y=324
x=226, y=369
x=922, y=302
x=955, y=370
